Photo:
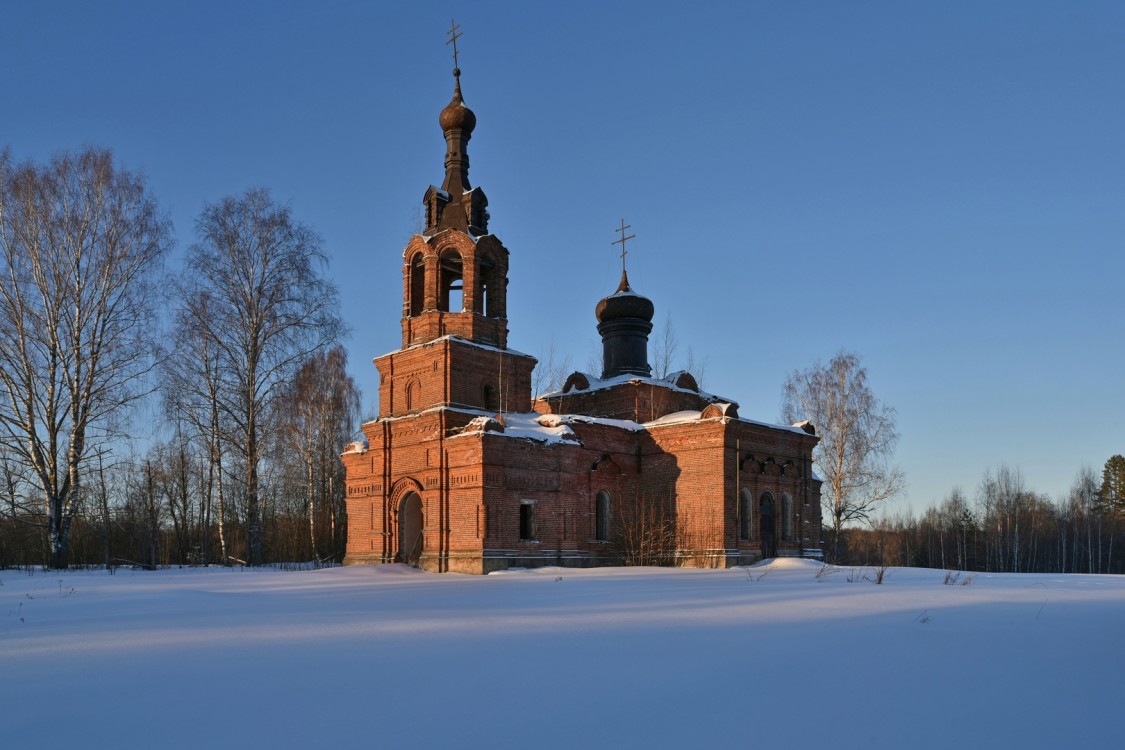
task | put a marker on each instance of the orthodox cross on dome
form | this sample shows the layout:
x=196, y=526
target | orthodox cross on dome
x=622, y=241
x=454, y=35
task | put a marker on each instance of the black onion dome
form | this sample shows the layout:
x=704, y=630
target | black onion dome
x=456, y=116
x=624, y=303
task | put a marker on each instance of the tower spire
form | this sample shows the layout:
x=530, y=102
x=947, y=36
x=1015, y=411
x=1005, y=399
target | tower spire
x=457, y=122
x=457, y=204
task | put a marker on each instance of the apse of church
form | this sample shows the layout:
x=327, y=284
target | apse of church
x=463, y=470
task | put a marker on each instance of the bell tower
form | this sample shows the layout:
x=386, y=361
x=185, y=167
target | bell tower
x=454, y=301
x=455, y=274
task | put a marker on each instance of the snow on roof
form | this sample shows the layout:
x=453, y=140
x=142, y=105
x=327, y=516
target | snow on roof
x=688, y=415
x=547, y=428
x=470, y=235
x=543, y=428
x=771, y=425
x=668, y=381
x=679, y=417
x=430, y=410
x=623, y=424
x=357, y=446
x=806, y=426
x=556, y=427
x=476, y=344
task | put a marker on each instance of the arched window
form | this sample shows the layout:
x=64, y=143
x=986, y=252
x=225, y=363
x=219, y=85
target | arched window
x=491, y=288
x=746, y=514
x=411, y=389
x=417, y=285
x=451, y=290
x=786, y=517
x=491, y=402
x=601, y=516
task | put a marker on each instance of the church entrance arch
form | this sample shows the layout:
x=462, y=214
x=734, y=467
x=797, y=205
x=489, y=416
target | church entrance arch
x=766, y=528
x=410, y=529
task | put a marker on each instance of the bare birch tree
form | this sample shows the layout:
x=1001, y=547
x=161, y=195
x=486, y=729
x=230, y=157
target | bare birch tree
x=267, y=309
x=80, y=242
x=1082, y=510
x=551, y=372
x=857, y=437
x=190, y=385
x=665, y=346
x=317, y=416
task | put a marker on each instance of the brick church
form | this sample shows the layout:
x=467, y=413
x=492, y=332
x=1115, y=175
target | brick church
x=465, y=470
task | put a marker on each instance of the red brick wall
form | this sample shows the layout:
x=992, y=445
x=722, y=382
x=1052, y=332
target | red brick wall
x=453, y=372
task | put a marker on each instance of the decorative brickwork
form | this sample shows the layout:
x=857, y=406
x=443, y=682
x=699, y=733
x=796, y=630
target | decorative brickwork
x=462, y=471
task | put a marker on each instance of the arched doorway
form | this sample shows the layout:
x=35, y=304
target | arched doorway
x=410, y=529
x=765, y=528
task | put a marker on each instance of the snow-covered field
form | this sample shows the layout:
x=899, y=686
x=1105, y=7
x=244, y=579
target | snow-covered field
x=770, y=656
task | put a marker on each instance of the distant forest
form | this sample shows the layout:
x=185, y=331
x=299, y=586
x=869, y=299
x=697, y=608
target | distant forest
x=1007, y=527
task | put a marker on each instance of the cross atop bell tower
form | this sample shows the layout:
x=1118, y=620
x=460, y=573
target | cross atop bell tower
x=454, y=34
x=457, y=204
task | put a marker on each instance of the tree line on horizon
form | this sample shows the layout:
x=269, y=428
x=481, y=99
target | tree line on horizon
x=1007, y=527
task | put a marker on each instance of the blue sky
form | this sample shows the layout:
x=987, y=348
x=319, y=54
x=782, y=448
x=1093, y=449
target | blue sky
x=939, y=187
